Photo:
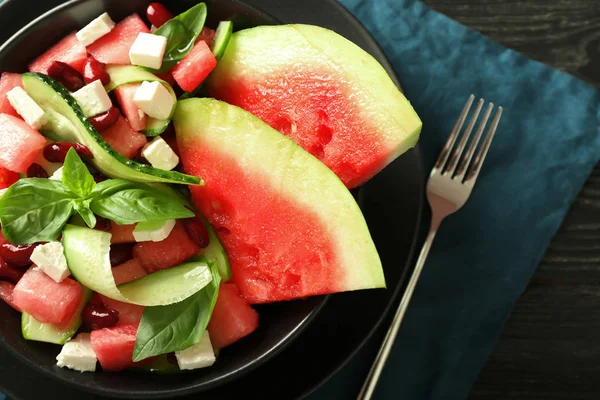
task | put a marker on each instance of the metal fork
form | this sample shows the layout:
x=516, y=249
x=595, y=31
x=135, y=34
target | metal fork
x=448, y=188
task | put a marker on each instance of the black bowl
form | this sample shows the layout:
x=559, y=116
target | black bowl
x=279, y=323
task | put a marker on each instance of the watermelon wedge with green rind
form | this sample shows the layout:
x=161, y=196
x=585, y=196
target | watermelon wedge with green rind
x=289, y=225
x=323, y=91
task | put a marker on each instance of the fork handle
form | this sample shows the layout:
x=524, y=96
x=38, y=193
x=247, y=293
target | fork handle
x=373, y=377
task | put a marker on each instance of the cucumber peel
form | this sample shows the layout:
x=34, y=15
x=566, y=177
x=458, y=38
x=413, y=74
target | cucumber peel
x=222, y=37
x=88, y=256
x=67, y=122
x=125, y=74
x=32, y=329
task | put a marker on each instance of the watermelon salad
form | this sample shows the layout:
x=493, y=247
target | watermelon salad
x=159, y=177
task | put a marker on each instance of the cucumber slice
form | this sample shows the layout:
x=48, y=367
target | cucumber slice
x=88, y=257
x=221, y=40
x=66, y=120
x=215, y=250
x=124, y=74
x=32, y=329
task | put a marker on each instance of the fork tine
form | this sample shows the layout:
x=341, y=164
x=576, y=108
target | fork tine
x=451, y=166
x=466, y=160
x=478, y=162
x=443, y=157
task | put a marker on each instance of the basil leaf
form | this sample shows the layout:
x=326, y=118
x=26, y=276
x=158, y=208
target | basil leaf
x=83, y=209
x=76, y=176
x=111, y=186
x=129, y=206
x=181, y=33
x=35, y=210
x=176, y=327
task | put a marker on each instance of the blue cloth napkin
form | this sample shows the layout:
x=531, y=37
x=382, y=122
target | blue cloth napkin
x=546, y=145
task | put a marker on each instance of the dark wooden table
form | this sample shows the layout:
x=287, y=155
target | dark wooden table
x=550, y=347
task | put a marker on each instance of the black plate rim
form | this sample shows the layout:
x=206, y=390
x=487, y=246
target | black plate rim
x=399, y=287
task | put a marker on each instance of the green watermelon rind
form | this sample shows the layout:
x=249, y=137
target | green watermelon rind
x=338, y=210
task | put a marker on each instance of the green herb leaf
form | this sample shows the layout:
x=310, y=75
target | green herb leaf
x=76, y=176
x=83, y=209
x=177, y=326
x=129, y=206
x=181, y=33
x=35, y=210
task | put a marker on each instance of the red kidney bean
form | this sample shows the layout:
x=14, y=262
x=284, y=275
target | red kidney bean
x=158, y=14
x=17, y=255
x=9, y=273
x=36, y=171
x=105, y=120
x=94, y=70
x=96, y=316
x=172, y=359
x=68, y=76
x=57, y=152
x=98, y=177
x=120, y=253
x=102, y=224
x=197, y=231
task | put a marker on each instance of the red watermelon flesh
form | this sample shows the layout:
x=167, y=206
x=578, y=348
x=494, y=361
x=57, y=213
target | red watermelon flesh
x=290, y=227
x=6, y=294
x=7, y=178
x=124, y=139
x=207, y=35
x=20, y=144
x=324, y=92
x=46, y=300
x=114, y=347
x=8, y=81
x=128, y=313
x=113, y=48
x=195, y=67
x=129, y=271
x=232, y=317
x=172, y=251
x=121, y=233
x=135, y=116
x=68, y=50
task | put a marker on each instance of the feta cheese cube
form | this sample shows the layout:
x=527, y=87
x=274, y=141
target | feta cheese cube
x=93, y=99
x=200, y=355
x=160, y=154
x=95, y=29
x=153, y=231
x=154, y=99
x=148, y=50
x=26, y=107
x=78, y=354
x=57, y=175
x=50, y=258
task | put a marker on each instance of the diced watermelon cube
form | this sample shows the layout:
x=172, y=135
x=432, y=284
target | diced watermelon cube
x=6, y=294
x=129, y=271
x=128, y=313
x=121, y=233
x=207, y=35
x=195, y=67
x=7, y=178
x=68, y=50
x=232, y=317
x=114, y=347
x=172, y=251
x=20, y=144
x=135, y=116
x=46, y=300
x=113, y=48
x=124, y=139
x=8, y=81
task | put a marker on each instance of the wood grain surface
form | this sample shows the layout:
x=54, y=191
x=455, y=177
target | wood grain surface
x=550, y=347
